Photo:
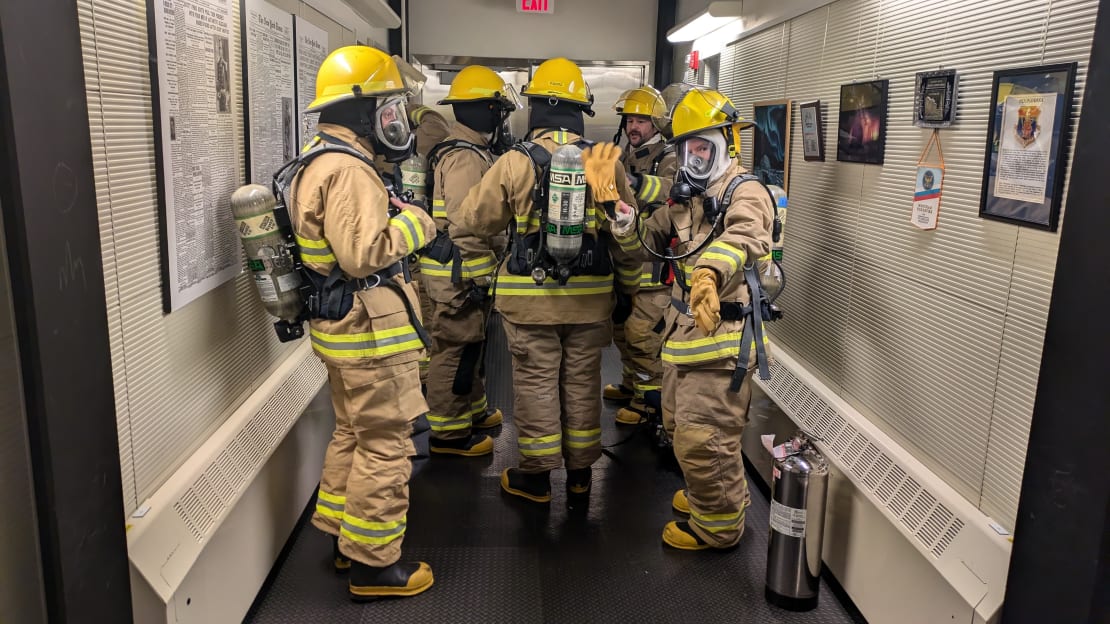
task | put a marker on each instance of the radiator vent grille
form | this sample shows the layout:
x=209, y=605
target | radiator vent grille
x=214, y=492
x=933, y=524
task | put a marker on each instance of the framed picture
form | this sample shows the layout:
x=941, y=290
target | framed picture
x=813, y=131
x=1023, y=168
x=771, y=150
x=861, y=128
x=934, y=101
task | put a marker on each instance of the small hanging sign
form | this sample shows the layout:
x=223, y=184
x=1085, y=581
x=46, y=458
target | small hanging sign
x=930, y=179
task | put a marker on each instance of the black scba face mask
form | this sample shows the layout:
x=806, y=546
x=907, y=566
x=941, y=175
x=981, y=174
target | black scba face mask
x=503, y=138
x=393, y=137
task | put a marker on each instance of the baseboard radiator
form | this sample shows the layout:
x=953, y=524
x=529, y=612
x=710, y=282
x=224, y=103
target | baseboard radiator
x=203, y=544
x=944, y=527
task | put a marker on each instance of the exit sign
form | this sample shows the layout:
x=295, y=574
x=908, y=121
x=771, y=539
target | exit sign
x=535, y=6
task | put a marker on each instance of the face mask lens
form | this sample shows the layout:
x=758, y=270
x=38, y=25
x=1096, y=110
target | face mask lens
x=393, y=124
x=697, y=156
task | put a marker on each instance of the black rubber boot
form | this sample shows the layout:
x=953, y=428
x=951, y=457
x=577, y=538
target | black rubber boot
x=579, y=484
x=534, y=486
x=489, y=420
x=404, y=578
x=476, y=445
x=340, y=561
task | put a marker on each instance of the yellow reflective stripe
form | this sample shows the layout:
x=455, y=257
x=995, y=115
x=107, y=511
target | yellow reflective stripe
x=715, y=523
x=374, y=344
x=365, y=532
x=538, y=447
x=410, y=228
x=481, y=403
x=766, y=258
x=330, y=505
x=419, y=112
x=313, y=250
x=730, y=254
x=582, y=438
x=560, y=137
x=524, y=222
x=328, y=512
x=476, y=267
x=375, y=526
x=648, y=279
x=630, y=241
x=449, y=423
x=703, y=349
x=629, y=277
x=439, y=209
x=433, y=268
x=649, y=188
x=646, y=387
x=524, y=286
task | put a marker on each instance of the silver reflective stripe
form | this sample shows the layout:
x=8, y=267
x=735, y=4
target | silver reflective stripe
x=411, y=227
x=308, y=251
x=376, y=343
x=330, y=505
x=731, y=341
x=540, y=446
x=399, y=529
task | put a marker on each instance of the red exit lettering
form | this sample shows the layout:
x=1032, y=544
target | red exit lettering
x=535, y=6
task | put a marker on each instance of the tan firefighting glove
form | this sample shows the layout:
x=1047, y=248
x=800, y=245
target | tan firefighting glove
x=705, y=307
x=600, y=162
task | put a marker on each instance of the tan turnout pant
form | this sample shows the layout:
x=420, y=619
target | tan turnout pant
x=639, y=342
x=557, y=393
x=706, y=421
x=364, y=490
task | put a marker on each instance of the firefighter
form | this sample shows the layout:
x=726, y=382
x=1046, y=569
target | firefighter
x=370, y=336
x=556, y=317
x=457, y=402
x=650, y=164
x=721, y=220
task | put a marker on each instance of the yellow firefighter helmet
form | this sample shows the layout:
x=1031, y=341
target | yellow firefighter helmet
x=475, y=83
x=561, y=79
x=704, y=109
x=362, y=71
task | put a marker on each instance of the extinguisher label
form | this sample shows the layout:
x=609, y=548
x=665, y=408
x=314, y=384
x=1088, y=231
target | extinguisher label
x=788, y=520
x=265, y=287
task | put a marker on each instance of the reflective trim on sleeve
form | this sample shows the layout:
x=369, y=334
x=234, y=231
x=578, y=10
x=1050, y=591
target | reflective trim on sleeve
x=721, y=251
x=410, y=228
x=439, y=209
x=315, y=250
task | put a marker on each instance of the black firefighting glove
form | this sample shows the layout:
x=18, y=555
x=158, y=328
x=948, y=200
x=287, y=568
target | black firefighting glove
x=623, y=308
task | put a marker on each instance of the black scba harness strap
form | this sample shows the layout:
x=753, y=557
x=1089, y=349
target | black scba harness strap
x=331, y=297
x=528, y=253
x=443, y=249
x=753, y=315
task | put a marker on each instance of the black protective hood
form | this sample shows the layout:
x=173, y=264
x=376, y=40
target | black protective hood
x=542, y=114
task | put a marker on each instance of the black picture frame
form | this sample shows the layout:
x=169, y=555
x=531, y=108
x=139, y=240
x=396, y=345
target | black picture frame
x=771, y=143
x=861, y=122
x=1039, y=79
x=934, y=98
x=813, y=131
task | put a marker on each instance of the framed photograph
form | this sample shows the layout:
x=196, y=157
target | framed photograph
x=771, y=150
x=934, y=101
x=1023, y=168
x=861, y=128
x=813, y=131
